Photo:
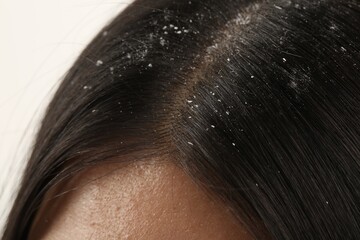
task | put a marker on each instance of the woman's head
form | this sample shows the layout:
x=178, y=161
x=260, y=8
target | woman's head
x=257, y=101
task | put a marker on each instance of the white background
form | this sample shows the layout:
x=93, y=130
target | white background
x=39, y=41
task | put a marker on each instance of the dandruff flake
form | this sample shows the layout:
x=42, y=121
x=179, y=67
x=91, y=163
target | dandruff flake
x=99, y=62
x=162, y=42
x=242, y=19
x=190, y=143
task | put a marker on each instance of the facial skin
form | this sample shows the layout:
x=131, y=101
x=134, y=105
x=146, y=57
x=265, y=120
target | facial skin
x=149, y=200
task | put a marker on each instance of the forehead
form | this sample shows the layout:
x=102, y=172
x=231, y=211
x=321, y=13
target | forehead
x=149, y=200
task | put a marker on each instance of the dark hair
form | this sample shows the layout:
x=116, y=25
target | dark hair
x=259, y=101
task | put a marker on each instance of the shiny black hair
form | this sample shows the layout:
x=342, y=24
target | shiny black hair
x=258, y=101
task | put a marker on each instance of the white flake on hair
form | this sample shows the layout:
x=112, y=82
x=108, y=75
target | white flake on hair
x=333, y=26
x=243, y=18
x=99, y=62
x=151, y=36
x=162, y=41
x=281, y=40
x=211, y=48
x=300, y=79
x=293, y=84
x=190, y=143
